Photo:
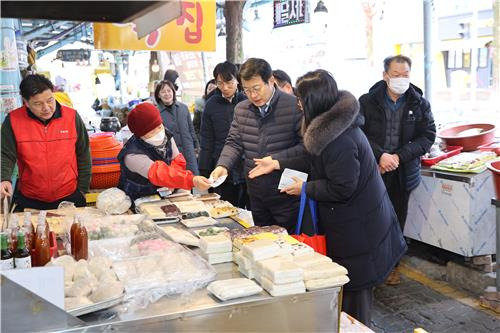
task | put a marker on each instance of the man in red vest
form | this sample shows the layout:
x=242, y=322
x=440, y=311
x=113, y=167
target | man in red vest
x=50, y=144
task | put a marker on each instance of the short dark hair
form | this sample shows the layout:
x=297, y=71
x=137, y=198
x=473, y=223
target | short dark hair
x=171, y=75
x=317, y=92
x=226, y=70
x=160, y=86
x=281, y=77
x=34, y=84
x=397, y=58
x=255, y=67
x=206, y=96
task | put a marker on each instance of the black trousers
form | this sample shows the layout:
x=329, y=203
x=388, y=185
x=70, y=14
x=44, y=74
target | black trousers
x=276, y=209
x=24, y=202
x=359, y=304
x=235, y=194
x=398, y=194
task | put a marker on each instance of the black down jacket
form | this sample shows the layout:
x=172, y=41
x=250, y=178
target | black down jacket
x=253, y=136
x=354, y=209
x=418, y=130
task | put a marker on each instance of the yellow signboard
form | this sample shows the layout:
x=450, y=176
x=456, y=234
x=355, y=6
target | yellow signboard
x=194, y=30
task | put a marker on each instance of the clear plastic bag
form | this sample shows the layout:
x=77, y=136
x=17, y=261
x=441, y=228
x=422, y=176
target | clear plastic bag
x=176, y=270
x=113, y=201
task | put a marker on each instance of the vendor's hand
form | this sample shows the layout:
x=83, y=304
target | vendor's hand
x=295, y=188
x=6, y=189
x=263, y=166
x=389, y=162
x=218, y=172
x=381, y=170
x=201, y=183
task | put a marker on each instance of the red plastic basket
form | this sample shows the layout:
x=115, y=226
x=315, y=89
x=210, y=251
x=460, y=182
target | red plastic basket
x=105, y=176
x=449, y=152
x=495, y=169
x=494, y=146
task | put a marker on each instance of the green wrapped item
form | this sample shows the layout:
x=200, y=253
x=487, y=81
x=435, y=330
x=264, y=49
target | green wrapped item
x=470, y=162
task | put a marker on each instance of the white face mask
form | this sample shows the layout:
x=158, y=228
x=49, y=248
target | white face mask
x=399, y=85
x=157, y=139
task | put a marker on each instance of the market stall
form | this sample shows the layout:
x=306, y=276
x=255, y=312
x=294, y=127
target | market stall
x=451, y=209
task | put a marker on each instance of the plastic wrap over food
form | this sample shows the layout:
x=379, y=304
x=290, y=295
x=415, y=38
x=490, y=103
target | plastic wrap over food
x=113, y=201
x=114, y=226
x=175, y=270
x=142, y=244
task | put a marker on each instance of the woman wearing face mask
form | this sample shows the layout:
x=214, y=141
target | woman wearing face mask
x=177, y=120
x=150, y=159
x=354, y=210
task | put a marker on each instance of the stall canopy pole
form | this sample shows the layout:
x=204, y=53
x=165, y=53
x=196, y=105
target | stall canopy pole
x=428, y=8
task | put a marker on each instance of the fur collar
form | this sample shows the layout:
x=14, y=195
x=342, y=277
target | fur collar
x=329, y=125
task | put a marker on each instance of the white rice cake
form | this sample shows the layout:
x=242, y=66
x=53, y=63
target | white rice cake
x=300, y=249
x=181, y=236
x=310, y=260
x=219, y=243
x=233, y=288
x=335, y=281
x=241, y=261
x=282, y=289
x=249, y=273
x=281, y=271
x=324, y=271
x=218, y=258
x=260, y=249
x=201, y=221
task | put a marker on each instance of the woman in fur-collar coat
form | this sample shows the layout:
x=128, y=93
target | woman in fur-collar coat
x=355, y=213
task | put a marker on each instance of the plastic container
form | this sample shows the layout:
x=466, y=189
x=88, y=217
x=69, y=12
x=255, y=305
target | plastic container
x=493, y=146
x=449, y=152
x=495, y=169
x=105, y=176
x=53, y=245
x=451, y=136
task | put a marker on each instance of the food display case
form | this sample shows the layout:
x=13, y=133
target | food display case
x=452, y=211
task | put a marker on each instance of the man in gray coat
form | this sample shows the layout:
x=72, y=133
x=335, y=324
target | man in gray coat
x=267, y=124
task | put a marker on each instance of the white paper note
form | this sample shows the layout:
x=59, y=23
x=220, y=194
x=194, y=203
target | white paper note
x=287, y=180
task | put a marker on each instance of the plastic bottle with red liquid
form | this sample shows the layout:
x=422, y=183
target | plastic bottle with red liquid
x=79, y=240
x=29, y=231
x=42, y=247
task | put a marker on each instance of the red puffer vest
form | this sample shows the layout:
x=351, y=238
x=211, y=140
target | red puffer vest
x=46, y=154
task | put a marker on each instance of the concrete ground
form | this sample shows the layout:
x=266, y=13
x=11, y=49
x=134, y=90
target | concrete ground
x=424, y=300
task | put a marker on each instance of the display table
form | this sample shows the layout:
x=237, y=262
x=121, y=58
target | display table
x=314, y=311
x=453, y=211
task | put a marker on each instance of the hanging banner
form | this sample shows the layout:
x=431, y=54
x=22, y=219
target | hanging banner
x=194, y=30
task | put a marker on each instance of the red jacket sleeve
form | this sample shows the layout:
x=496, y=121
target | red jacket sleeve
x=174, y=175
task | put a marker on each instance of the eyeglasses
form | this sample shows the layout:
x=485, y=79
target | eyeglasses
x=222, y=84
x=253, y=90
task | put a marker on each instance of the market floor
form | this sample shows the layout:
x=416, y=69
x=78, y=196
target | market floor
x=434, y=306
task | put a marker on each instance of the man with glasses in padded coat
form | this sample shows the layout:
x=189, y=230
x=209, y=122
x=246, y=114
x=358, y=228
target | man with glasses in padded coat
x=267, y=124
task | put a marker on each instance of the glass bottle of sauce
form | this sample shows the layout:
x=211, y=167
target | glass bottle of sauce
x=72, y=233
x=22, y=257
x=42, y=247
x=81, y=241
x=42, y=219
x=6, y=258
x=29, y=231
x=13, y=229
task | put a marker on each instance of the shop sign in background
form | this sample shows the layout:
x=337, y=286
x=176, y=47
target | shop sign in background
x=194, y=30
x=289, y=12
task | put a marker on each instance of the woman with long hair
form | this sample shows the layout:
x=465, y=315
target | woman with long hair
x=354, y=210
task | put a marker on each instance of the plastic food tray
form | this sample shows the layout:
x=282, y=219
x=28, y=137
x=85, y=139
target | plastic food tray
x=494, y=146
x=96, y=306
x=450, y=151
